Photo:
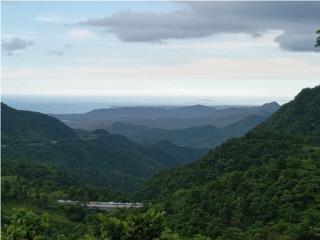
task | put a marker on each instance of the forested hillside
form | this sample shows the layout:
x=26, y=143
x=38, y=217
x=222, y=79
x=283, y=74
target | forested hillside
x=265, y=185
x=98, y=159
x=30, y=127
x=302, y=116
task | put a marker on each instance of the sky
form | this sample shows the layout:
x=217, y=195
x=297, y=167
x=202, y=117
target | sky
x=207, y=52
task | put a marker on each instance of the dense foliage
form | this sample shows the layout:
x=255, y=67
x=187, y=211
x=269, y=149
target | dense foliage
x=25, y=224
x=265, y=185
x=37, y=187
x=38, y=183
x=145, y=224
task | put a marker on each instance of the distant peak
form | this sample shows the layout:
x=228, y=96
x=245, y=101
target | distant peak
x=270, y=107
x=197, y=106
x=271, y=104
x=299, y=116
x=100, y=132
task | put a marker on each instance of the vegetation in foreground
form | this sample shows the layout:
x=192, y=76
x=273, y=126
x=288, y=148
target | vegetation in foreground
x=132, y=225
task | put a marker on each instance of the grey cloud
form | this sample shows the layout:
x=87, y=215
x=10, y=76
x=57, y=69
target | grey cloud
x=292, y=41
x=15, y=44
x=298, y=20
x=57, y=53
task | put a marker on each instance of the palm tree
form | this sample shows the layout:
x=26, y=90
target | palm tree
x=318, y=38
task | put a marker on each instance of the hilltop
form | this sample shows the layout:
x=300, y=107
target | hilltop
x=19, y=126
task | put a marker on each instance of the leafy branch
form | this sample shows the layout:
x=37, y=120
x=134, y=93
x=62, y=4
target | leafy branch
x=318, y=38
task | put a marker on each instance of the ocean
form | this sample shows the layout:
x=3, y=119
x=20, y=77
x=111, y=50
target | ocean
x=83, y=104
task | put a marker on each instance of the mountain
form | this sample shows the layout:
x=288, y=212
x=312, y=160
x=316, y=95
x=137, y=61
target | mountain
x=24, y=126
x=200, y=136
x=161, y=117
x=264, y=185
x=300, y=116
x=96, y=158
x=269, y=107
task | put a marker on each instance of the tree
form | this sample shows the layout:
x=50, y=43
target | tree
x=25, y=225
x=318, y=38
x=137, y=225
x=146, y=226
x=112, y=228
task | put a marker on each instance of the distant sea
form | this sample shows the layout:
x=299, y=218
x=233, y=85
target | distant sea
x=54, y=105
x=87, y=103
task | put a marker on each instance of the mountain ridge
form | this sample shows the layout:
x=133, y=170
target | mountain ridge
x=97, y=158
x=264, y=185
x=157, y=117
x=206, y=136
x=25, y=126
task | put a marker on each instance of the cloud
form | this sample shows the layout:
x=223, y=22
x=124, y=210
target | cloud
x=57, y=53
x=15, y=44
x=80, y=33
x=297, y=20
x=273, y=77
x=293, y=41
x=207, y=70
